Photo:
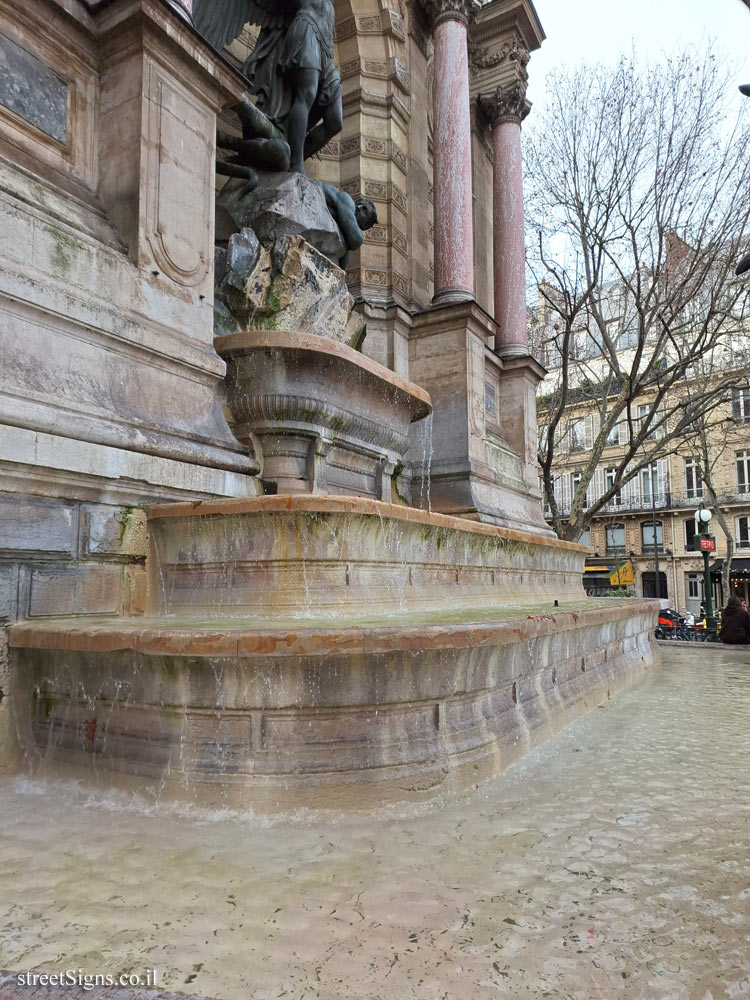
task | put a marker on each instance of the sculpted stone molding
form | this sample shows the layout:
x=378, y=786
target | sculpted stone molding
x=489, y=57
x=176, y=121
x=448, y=10
x=506, y=104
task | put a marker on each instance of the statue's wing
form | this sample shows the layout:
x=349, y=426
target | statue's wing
x=221, y=21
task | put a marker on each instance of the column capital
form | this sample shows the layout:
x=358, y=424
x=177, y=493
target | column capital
x=506, y=104
x=449, y=10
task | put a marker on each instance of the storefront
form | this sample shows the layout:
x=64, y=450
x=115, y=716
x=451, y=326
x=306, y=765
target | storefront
x=739, y=582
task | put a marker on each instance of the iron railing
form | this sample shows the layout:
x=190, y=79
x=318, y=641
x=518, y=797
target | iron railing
x=663, y=500
x=686, y=633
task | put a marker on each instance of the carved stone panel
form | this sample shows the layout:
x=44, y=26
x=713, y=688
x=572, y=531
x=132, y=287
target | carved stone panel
x=32, y=90
x=179, y=203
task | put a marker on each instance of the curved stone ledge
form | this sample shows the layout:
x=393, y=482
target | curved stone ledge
x=323, y=504
x=348, y=719
x=157, y=636
x=327, y=557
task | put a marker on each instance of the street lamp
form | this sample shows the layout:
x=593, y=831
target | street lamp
x=707, y=544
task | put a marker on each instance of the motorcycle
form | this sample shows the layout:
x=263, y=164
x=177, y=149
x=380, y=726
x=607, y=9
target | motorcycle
x=672, y=625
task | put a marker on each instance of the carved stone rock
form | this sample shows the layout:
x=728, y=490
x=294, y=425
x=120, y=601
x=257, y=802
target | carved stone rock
x=285, y=286
x=281, y=205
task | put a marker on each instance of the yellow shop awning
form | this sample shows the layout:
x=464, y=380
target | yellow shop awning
x=619, y=574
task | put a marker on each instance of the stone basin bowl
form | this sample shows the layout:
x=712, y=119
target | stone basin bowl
x=319, y=416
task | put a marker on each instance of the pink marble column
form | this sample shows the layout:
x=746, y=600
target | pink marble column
x=506, y=108
x=182, y=7
x=452, y=181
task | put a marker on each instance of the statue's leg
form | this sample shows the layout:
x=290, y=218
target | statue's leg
x=305, y=92
x=332, y=123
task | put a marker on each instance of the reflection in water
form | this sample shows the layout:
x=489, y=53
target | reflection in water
x=613, y=861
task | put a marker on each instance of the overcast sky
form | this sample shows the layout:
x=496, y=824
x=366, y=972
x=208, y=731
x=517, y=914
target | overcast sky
x=599, y=30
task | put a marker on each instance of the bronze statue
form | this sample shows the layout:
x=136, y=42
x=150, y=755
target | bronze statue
x=353, y=218
x=291, y=71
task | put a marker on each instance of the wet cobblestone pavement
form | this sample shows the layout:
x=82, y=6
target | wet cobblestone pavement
x=614, y=861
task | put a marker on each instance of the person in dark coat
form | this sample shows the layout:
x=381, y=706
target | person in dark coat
x=735, y=623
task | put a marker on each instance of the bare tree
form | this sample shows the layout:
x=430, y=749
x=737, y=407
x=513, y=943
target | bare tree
x=639, y=201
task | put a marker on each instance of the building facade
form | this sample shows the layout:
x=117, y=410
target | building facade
x=650, y=520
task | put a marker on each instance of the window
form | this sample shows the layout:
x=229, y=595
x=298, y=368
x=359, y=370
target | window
x=648, y=583
x=648, y=529
x=690, y=534
x=649, y=481
x=693, y=484
x=556, y=489
x=743, y=532
x=694, y=586
x=609, y=481
x=742, y=469
x=645, y=417
x=585, y=538
x=741, y=404
x=578, y=434
x=613, y=438
x=575, y=482
x=490, y=399
x=543, y=431
x=614, y=535
x=629, y=336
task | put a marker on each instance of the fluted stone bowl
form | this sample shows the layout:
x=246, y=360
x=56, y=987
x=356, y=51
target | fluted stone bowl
x=319, y=416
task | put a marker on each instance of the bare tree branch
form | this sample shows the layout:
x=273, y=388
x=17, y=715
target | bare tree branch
x=639, y=198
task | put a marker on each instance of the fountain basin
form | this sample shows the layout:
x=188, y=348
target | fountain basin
x=324, y=651
x=328, y=555
x=323, y=716
x=319, y=416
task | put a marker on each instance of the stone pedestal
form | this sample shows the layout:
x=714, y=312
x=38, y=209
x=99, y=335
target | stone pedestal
x=484, y=425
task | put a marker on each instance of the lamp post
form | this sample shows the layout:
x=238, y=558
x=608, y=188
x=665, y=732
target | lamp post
x=707, y=544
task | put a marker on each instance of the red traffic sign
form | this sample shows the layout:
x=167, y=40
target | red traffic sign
x=708, y=544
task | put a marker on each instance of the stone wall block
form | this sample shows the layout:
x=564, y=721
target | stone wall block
x=113, y=531
x=9, y=748
x=79, y=589
x=133, y=589
x=33, y=524
x=8, y=592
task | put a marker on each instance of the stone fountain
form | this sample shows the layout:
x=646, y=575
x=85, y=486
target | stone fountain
x=330, y=642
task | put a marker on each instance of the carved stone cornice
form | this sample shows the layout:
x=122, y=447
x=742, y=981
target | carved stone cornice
x=489, y=57
x=438, y=11
x=506, y=104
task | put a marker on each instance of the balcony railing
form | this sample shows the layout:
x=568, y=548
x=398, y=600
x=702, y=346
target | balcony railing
x=615, y=551
x=663, y=500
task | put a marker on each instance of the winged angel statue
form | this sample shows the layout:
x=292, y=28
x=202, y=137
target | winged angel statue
x=291, y=70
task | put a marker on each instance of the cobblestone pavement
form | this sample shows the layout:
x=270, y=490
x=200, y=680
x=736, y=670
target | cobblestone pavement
x=611, y=862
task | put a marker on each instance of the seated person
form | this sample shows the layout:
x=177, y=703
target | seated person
x=735, y=623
